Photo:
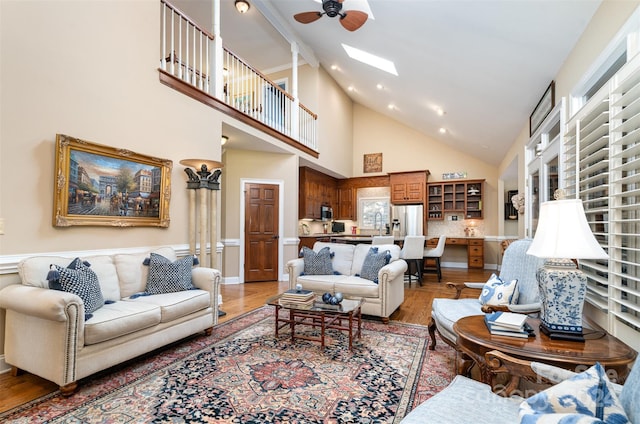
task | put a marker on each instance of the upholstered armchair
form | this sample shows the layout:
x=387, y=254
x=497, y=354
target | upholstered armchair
x=469, y=401
x=516, y=265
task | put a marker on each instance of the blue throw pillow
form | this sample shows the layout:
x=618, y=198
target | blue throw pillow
x=317, y=263
x=587, y=397
x=373, y=262
x=169, y=277
x=496, y=291
x=79, y=279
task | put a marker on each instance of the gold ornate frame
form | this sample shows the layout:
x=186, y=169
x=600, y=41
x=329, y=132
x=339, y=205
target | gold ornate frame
x=105, y=186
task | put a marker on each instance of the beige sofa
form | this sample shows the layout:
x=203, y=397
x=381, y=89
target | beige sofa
x=46, y=333
x=381, y=298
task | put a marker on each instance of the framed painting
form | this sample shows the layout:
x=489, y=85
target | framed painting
x=372, y=162
x=106, y=186
x=543, y=108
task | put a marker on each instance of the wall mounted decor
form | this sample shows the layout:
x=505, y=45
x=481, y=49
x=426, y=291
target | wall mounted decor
x=372, y=162
x=454, y=175
x=106, y=186
x=543, y=108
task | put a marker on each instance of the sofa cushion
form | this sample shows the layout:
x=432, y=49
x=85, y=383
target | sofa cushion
x=320, y=283
x=373, y=262
x=342, y=255
x=446, y=312
x=317, y=263
x=587, y=397
x=132, y=274
x=120, y=318
x=167, y=276
x=177, y=304
x=499, y=292
x=358, y=287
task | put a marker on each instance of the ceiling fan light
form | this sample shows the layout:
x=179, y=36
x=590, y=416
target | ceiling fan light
x=242, y=6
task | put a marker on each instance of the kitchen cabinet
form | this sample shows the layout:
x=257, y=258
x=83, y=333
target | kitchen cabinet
x=408, y=188
x=462, y=196
x=315, y=189
x=346, y=204
x=309, y=241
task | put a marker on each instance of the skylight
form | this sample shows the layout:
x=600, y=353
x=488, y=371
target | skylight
x=371, y=59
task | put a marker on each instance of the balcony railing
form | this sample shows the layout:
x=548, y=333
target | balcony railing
x=187, y=52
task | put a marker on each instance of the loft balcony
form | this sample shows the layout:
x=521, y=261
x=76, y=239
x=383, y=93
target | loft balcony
x=193, y=61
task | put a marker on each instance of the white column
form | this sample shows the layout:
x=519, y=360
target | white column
x=213, y=223
x=203, y=227
x=216, y=56
x=295, y=113
x=192, y=222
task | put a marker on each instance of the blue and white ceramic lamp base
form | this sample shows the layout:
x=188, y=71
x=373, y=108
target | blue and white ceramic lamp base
x=562, y=288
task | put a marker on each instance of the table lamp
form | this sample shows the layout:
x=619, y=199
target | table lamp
x=563, y=234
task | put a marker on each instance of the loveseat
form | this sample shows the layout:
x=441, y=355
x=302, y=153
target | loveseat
x=383, y=291
x=50, y=333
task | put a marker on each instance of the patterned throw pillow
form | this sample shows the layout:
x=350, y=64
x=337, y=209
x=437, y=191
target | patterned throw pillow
x=169, y=277
x=79, y=279
x=317, y=263
x=496, y=291
x=587, y=397
x=373, y=262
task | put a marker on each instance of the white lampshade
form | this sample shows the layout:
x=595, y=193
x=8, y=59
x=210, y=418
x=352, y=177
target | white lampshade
x=563, y=233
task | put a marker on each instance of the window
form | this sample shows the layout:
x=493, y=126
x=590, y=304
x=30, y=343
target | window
x=368, y=210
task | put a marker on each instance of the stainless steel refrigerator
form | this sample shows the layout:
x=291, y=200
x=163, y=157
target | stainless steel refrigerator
x=407, y=220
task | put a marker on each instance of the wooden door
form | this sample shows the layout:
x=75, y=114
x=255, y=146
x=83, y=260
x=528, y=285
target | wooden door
x=261, y=232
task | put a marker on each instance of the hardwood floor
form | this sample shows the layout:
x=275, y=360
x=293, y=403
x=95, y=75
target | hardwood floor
x=241, y=298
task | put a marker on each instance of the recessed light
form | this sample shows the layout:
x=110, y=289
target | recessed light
x=440, y=112
x=379, y=86
x=391, y=106
x=334, y=67
x=443, y=130
x=371, y=59
x=350, y=88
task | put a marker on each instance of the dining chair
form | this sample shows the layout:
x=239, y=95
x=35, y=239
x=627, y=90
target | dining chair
x=411, y=252
x=377, y=240
x=435, y=253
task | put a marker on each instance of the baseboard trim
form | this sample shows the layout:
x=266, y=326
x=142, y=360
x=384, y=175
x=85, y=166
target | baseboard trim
x=4, y=367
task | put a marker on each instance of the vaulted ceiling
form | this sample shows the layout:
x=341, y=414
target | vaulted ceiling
x=484, y=63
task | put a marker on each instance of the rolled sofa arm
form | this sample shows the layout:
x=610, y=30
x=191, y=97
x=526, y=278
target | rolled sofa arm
x=52, y=305
x=295, y=267
x=208, y=279
x=392, y=270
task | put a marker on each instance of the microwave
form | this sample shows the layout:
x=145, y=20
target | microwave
x=326, y=213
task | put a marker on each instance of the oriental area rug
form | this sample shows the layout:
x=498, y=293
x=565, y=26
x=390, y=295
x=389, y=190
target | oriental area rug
x=243, y=374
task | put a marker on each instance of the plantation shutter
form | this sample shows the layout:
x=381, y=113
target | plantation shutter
x=624, y=252
x=586, y=167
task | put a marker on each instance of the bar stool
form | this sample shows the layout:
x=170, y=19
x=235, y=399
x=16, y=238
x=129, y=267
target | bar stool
x=378, y=240
x=435, y=253
x=412, y=251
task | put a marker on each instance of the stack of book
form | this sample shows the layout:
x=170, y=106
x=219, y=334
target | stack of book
x=298, y=299
x=508, y=324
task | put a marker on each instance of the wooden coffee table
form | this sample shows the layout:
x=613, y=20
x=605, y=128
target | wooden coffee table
x=474, y=341
x=325, y=317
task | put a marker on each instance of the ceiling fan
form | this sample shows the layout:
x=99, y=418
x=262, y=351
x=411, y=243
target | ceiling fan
x=351, y=19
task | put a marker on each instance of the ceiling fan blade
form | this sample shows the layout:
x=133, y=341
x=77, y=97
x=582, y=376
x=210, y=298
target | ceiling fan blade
x=353, y=19
x=307, y=17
